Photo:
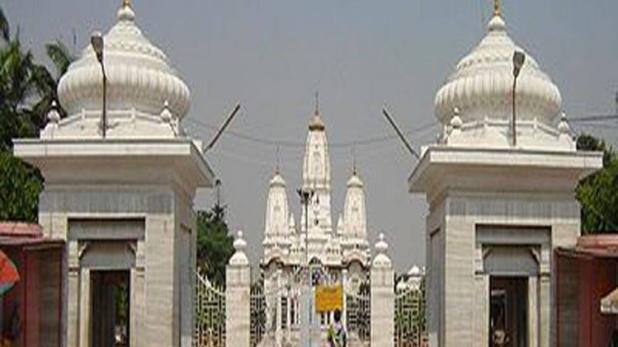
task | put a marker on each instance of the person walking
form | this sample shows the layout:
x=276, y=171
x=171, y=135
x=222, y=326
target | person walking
x=337, y=336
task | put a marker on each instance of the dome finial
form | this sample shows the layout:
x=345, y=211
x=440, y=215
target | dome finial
x=126, y=11
x=317, y=103
x=354, y=171
x=278, y=161
x=316, y=123
x=497, y=10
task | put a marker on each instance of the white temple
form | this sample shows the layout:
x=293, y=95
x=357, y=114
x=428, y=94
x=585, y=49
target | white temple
x=338, y=253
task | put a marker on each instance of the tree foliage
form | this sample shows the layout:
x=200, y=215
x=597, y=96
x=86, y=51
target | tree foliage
x=598, y=193
x=27, y=90
x=20, y=185
x=214, y=244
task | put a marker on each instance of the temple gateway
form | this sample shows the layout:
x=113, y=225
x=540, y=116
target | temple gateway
x=120, y=193
x=501, y=196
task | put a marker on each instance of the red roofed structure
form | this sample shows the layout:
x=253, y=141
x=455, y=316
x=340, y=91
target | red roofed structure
x=31, y=311
x=587, y=293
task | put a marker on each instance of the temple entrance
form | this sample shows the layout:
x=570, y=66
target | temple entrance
x=508, y=313
x=110, y=292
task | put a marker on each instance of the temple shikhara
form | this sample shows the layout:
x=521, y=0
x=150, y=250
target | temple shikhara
x=337, y=252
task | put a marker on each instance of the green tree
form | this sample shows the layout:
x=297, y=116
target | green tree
x=598, y=193
x=214, y=244
x=26, y=93
x=20, y=185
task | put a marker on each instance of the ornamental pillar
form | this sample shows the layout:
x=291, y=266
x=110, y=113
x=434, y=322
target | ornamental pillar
x=238, y=296
x=382, y=297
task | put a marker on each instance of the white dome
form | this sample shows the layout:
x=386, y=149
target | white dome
x=139, y=75
x=481, y=85
x=414, y=271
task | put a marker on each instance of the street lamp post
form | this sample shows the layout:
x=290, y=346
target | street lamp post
x=305, y=198
x=96, y=40
x=518, y=62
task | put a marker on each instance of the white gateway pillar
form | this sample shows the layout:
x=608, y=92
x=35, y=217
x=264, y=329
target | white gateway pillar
x=238, y=296
x=122, y=198
x=382, y=297
x=499, y=204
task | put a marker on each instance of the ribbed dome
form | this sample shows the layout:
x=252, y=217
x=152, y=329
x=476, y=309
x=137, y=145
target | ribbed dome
x=139, y=75
x=481, y=85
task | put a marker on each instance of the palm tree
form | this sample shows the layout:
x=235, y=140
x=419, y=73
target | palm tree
x=4, y=26
x=17, y=88
x=27, y=89
x=47, y=84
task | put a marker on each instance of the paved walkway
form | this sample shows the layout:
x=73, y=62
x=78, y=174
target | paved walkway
x=269, y=341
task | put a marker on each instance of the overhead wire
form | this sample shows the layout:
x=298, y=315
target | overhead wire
x=287, y=143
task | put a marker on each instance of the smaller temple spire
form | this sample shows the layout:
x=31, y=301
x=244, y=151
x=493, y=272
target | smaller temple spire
x=497, y=9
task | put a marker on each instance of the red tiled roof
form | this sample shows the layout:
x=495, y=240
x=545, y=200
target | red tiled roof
x=25, y=235
x=20, y=229
x=597, y=245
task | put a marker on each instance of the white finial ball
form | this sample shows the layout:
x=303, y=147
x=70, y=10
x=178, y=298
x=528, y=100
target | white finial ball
x=239, y=244
x=381, y=246
x=166, y=114
x=456, y=122
x=126, y=13
x=53, y=115
x=563, y=126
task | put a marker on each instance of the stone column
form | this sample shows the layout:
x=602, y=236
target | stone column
x=73, y=292
x=382, y=297
x=238, y=296
x=84, y=308
x=544, y=309
x=137, y=297
x=533, y=316
x=481, y=310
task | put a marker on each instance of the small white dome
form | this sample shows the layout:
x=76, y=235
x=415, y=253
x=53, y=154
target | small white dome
x=139, y=75
x=481, y=85
x=414, y=271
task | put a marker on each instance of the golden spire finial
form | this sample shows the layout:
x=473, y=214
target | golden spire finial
x=497, y=8
x=126, y=3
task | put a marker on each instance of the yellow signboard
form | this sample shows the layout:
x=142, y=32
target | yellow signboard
x=328, y=298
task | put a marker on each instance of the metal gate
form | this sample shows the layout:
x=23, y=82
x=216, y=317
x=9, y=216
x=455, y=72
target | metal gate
x=358, y=314
x=257, y=314
x=209, y=314
x=410, y=324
